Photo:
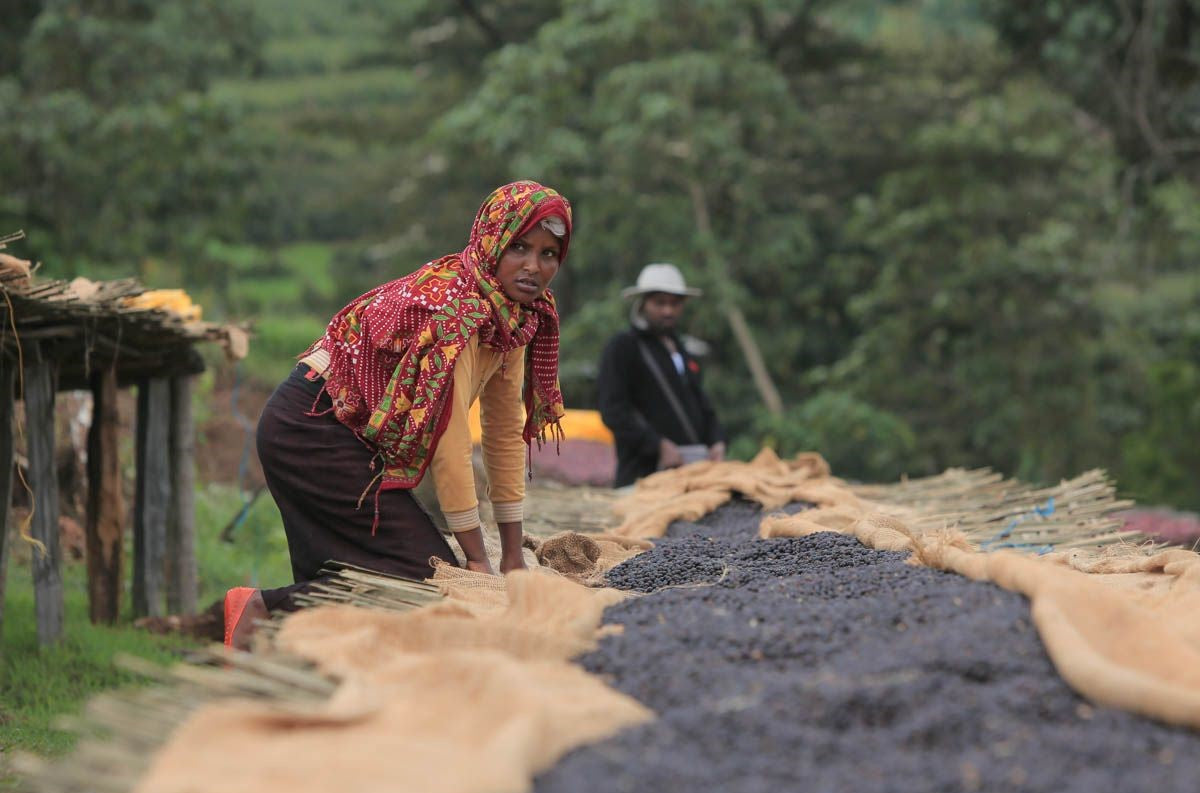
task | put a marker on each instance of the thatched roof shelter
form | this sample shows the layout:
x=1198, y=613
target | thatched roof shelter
x=60, y=335
x=92, y=324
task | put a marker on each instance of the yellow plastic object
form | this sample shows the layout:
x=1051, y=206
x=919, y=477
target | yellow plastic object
x=578, y=425
x=176, y=301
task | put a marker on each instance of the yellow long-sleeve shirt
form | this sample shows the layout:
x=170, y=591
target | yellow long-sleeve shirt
x=496, y=380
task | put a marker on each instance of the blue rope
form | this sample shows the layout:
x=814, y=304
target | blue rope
x=1041, y=550
x=996, y=544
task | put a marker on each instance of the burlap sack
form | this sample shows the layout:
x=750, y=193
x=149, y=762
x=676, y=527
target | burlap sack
x=469, y=695
x=693, y=491
x=585, y=558
x=470, y=722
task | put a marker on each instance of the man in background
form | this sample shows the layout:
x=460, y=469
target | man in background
x=649, y=391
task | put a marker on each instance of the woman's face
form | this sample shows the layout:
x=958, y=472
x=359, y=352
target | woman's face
x=529, y=264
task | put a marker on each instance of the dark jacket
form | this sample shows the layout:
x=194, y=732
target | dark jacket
x=632, y=404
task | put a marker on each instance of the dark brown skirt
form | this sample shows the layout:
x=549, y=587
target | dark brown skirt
x=316, y=470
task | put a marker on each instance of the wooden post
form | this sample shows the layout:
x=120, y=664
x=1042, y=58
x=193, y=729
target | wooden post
x=153, y=492
x=40, y=385
x=181, y=521
x=8, y=371
x=718, y=271
x=105, y=508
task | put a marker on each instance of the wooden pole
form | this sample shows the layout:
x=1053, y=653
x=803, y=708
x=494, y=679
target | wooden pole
x=181, y=520
x=153, y=493
x=8, y=371
x=737, y=320
x=40, y=385
x=105, y=507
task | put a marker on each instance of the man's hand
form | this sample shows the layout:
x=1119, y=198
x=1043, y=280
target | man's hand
x=716, y=452
x=668, y=455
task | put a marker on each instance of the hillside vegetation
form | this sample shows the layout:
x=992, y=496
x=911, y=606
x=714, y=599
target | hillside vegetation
x=963, y=233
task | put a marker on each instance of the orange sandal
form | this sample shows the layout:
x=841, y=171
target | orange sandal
x=235, y=605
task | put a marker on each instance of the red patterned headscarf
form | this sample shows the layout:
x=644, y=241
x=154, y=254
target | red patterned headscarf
x=392, y=350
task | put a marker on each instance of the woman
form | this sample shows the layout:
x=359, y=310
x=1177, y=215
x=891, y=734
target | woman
x=383, y=397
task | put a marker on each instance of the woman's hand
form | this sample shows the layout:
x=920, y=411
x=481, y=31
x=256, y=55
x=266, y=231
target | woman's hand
x=716, y=452
x=480, y=566
x=471, y=542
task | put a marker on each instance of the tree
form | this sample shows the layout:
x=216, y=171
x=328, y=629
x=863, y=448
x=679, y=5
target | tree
x=980, y=328
x=116, y=150
x=1134, y=65
x=683, y=134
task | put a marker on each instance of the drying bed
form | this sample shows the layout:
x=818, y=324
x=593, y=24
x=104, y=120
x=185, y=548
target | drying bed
x=815, y=663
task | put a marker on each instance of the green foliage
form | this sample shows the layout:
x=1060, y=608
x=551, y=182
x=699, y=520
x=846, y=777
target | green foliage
x=312, y=264
x=277, y=342
x=1160, y=463
x=976, y=327
x=326, y=93
x=857, y=440
x=585, y=336
x=112, y=150
x=973, y=219
x=677, y=112
x=257, y=554
x=1172, y=227
x=1133, y=66
x=428, y=33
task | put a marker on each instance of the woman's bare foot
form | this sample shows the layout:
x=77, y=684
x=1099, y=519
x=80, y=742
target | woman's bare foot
x=243, y=631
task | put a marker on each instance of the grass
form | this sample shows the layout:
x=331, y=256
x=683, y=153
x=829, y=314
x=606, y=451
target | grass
x=277, y=341
x=258, y=554
x=266, y=291
x=311, y=53
x=312, y=263
x=290, y=18
x=290, y=291
x=38, y=685
x=342, y=108
x=302, y=275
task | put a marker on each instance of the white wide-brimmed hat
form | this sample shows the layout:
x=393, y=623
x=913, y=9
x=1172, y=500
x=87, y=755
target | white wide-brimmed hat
x=660, y=278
